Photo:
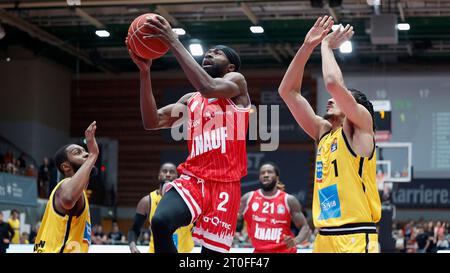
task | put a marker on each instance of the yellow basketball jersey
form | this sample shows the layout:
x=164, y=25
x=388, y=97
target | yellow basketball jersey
x=15, y=225
x=182, y=236
x=63, y=233
x=345, y=189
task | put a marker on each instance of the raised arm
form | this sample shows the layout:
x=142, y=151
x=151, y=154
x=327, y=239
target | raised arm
x=299, y=221
x=357, y=114
x=71, y=190
x=142, y=211
x=152, y=117
x=291, y=84
x=227, y=87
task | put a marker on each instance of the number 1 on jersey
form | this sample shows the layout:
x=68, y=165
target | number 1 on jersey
x=334, y=162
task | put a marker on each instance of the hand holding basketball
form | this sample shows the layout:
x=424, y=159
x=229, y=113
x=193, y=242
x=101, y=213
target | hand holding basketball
x=161, y=29
x=142, y=38
x=143, y=64
x=320, y=29
x=335, y=39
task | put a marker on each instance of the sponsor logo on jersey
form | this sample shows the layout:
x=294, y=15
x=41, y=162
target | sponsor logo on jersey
x=194, y=123
x=330, y=206
x=259, y=219
x=217, y=222
x=208, y=141
x=39, y=246
x=280, y=209
x=319, y=151
x=319, y=171
x=275, y=221
x=255, y=206
x=334, y=145
x=268, y=234
x=87, y=233
x=175, y=239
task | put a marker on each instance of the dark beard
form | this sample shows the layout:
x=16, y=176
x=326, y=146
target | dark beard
x=215, y=71
x=269, y=187
x=76, y=167
x=327, y=116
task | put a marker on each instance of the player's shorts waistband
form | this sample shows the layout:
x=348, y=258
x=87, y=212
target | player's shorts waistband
x=349, y=229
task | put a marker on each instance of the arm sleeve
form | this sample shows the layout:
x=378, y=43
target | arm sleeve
x=135, y=231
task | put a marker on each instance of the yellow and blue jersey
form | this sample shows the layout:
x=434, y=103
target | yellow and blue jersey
x=345, y=189
x=63, y=233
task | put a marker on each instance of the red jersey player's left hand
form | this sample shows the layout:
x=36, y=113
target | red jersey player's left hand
x=289, y=241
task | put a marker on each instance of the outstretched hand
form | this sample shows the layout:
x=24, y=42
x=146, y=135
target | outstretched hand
x=90, y=139
x=338, y=37
x=318, y=32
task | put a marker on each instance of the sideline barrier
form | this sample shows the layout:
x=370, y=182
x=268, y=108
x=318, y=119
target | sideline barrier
x=143, y=249
x=126, y=249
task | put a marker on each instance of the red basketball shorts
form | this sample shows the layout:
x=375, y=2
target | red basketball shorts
x=214, y=208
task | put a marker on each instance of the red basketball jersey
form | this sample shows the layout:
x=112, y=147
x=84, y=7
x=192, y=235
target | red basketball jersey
x=268, y=219
x=217, y=131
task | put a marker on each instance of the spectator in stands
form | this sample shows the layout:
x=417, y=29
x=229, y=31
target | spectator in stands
x=99, y=237
x=44, y=179
x=400, y=243
x=6, y=234
x=440, y=228
x=422, y=240
x=20, y=171
x=11, y=168
x=31, y=171
x=14, y=222
x=442, y=243
x=411, y=244
x=447, y=232
x=145, y=237
x=34, y=232
x=431, y=238
x=8, y=157
x=116, y=236
x=2, y=163
x=24, y=238
x=21, y=161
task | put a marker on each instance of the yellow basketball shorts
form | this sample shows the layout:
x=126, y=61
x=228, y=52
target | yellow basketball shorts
x=353, y=238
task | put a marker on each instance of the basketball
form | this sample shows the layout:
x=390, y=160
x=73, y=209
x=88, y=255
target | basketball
x=150, y=48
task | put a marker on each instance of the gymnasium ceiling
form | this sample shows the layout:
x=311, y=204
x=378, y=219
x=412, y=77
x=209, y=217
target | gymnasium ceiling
x=66, y=33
